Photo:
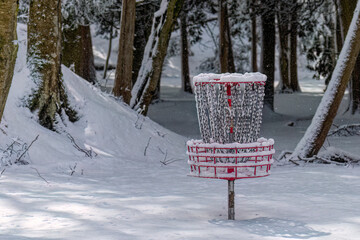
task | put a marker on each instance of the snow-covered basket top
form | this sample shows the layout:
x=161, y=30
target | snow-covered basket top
x=229, y=106
x=229, y=78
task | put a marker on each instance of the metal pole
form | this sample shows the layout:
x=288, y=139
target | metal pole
x=231, y=200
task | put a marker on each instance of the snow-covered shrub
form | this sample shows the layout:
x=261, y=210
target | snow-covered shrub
x=15, y=152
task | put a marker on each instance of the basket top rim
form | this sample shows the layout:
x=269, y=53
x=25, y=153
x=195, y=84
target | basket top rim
x=229, y=78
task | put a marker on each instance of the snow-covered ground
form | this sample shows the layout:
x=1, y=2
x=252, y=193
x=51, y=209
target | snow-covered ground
x=126, y=192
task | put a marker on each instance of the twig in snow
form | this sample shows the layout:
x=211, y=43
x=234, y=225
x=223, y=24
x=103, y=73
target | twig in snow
x=72, y=169
x=88, y=153
x=3, y=131
x=161, y=150
x=40, y=175
x=18, y=160
x=2, y=172
x=139, y=121
x=147, y=145
x=167, y=162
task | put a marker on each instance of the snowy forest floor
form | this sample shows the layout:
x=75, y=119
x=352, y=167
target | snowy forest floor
x=125, y=192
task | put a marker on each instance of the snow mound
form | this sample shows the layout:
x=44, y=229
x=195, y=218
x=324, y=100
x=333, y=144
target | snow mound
x=107, y=128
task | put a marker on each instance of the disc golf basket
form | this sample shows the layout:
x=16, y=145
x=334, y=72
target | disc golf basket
x=229, y=110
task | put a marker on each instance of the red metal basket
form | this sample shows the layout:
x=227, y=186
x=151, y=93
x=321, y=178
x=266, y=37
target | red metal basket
x=230, y=161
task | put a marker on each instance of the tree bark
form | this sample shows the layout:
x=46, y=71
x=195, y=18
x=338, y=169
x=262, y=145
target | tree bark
x=226, y=53
x=185, y=72
x=143, y=23
x=123, y=75
x=108, y=53
x=44, y=47
x=317, y=132
x=156, y=48
x=283, y=26
x=253, y=39
x=268, y=52
x=77, y=52
x=8, y=49
x=346, y=8
x=294, y=82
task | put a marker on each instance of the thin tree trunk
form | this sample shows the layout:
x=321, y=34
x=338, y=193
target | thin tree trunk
x=156, y=48
x=8, y=50
x=317, y=132
x=253, y=40
x=108, y=53
x=49, y=98
x=185, y=73
x=123, y=75
x=283, y=26
x=226, y=53
x=77, y=52
x=294, y=82
x=268, y=52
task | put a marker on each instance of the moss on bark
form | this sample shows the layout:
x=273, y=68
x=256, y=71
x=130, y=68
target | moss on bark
x=44, y=45
x=8, y=49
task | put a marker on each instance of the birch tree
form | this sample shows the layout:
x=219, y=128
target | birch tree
x=321, y=123
x=154, y=54
x=8, y=49
x=49, y=98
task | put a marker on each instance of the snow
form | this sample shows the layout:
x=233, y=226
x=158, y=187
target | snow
x=229, y=77
x=125, y=192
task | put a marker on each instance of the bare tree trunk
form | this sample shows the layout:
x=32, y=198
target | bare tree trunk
x=283, y=26
x=49, y=98
x=253, y=39
x=143, y=23
x=156, y=48
x=185, y=73
x=108, y=53
x=317, y=132
x=268, y=52
x=123, y=75
x=346, y=9
x=77, y=52
x=294, y=82
x=226, y=53
x=8, y=50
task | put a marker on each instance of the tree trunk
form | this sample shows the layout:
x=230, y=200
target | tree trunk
x=44, y=47
x=8, y=50
x=283, y=26
x=77, y=52
x=268, y=52
x=317, y=132
x=143, y=23
x=108, y=53
x=346, y=8
x=185, y=73
x=226, y=53
x=294, y=82
x=253, y=39
x=123, y=75
x=154, y=55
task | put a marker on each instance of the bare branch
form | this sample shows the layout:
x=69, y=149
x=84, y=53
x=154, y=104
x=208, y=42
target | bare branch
x=147, y=145
x=40, y=175
x=88, y=153
x=18, y=160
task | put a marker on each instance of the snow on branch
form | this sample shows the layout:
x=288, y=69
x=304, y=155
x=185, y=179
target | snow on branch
x=346, y=130
x=142, y=82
